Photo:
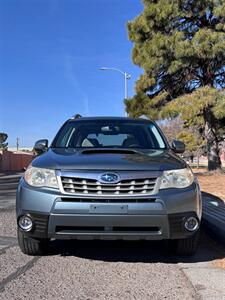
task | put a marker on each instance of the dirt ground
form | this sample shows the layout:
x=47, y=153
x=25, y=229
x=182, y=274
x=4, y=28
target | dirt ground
x=211, y=182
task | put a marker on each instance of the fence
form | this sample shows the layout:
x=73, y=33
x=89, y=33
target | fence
x=14, y=161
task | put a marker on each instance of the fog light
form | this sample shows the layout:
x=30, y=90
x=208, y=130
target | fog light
x=191, y=224
x=25, y=223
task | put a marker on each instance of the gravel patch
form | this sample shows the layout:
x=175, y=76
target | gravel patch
x=58, y=277
x=11, y=260
x=8, y=223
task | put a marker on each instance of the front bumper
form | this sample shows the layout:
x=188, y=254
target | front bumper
x=159, y=216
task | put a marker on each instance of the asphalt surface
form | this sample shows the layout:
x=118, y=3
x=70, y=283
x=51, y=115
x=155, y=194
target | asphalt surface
x=8, y=186
x=104, y=270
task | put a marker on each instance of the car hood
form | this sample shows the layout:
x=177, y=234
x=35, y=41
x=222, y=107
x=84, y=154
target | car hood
x=71, y=159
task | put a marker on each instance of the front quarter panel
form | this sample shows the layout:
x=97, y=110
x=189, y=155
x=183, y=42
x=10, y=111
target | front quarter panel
x=182, y=200
x=34, y=199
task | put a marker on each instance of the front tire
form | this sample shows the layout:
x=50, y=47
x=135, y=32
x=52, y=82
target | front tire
x=187, y=246
x=31, y=246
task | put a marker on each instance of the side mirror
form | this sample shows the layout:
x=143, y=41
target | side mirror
x=178, y=146
x=41, y=146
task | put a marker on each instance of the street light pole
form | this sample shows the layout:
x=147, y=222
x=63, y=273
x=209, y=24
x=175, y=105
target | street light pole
x=126, y=78
x=125, y=86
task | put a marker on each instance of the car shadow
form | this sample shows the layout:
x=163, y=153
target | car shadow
x=142, y=251
x=139, y=251
x=213, y=216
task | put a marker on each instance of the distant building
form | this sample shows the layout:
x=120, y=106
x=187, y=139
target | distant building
x=21, y=149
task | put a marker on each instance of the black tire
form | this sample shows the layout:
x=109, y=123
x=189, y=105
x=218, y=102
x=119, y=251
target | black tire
x=32, y=246
x=187, y=246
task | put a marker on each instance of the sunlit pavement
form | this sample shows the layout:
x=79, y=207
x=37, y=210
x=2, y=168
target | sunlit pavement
x=104, y=270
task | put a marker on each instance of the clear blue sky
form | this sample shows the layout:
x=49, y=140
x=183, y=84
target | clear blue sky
x=50, y=53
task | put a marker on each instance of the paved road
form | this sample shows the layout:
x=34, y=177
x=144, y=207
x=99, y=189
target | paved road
x=104, y=270
x=8, y=186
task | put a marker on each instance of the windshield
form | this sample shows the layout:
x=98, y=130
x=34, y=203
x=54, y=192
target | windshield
x=108, y=134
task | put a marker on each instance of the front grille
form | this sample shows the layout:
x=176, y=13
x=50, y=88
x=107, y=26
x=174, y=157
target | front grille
x=104, y=200
x=74, y=185
x=74, y=229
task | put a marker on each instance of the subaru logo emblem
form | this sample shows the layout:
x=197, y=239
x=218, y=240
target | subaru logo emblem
x=109, y=178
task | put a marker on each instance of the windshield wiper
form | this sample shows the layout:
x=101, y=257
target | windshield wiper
x=109, y=151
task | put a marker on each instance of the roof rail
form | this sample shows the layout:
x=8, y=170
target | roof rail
x=76, y=116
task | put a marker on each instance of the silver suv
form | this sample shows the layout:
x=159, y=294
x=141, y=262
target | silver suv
x=108, y=178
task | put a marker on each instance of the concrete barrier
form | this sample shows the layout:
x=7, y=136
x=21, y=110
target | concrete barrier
x=14, y=161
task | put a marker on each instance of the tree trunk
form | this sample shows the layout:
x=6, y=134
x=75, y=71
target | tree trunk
x=214, y=161
x=198, y=158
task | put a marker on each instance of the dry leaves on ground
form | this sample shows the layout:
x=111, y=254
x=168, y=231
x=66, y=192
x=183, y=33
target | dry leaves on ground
x=212, y=182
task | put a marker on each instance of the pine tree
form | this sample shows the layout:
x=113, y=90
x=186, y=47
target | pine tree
x=180, y=45
x=3, y=138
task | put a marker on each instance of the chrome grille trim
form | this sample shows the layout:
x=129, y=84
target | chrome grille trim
x=74, y=185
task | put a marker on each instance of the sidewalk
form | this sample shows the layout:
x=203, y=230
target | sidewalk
x=213, y=216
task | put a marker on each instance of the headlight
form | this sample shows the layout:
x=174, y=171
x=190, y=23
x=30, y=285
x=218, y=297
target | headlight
x=41, y=177
x=181, y=178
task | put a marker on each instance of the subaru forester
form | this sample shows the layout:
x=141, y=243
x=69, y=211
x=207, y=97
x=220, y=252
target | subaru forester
x=108, y=178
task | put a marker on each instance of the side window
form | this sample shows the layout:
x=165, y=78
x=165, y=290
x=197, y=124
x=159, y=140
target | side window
x=112, y=140
x=66, y=136
x=156, y=136
x=108, y=140
x=92, y=136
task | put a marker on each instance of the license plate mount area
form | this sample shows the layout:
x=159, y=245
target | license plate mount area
x=108, y=209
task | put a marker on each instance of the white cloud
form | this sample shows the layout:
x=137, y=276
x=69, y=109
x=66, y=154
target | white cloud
x=70, y=75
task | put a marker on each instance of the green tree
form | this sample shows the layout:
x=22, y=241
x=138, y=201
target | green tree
x=180, y=44
x=176, y=129
x=191, y=141
x=3, y=138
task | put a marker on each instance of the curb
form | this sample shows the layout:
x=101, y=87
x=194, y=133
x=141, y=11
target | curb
x=213, y=216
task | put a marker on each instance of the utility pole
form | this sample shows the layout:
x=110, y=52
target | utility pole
x=17, y=144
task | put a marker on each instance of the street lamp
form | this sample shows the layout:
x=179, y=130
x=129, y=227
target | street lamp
x=126, y=77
